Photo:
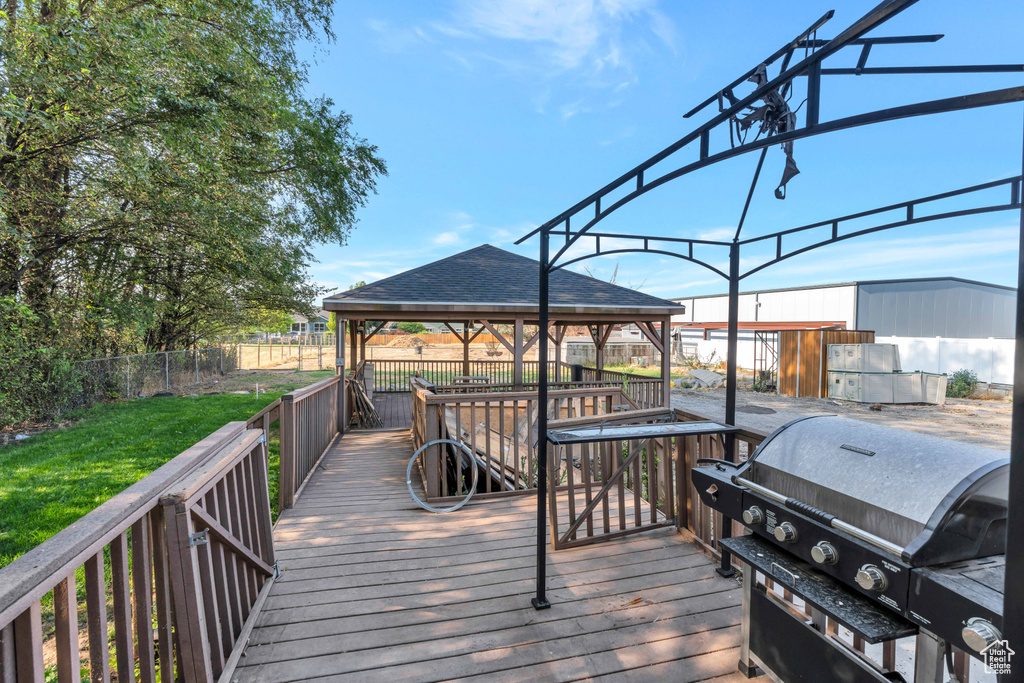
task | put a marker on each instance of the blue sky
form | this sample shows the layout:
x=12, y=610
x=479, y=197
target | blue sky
x=496, y=115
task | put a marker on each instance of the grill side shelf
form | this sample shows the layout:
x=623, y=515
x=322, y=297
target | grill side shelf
x=861, y=615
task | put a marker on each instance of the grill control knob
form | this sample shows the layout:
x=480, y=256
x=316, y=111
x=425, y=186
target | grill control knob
x=824, y=553
x=753, y=515
x=871, y=578
x=980, y=633
x=785, y=533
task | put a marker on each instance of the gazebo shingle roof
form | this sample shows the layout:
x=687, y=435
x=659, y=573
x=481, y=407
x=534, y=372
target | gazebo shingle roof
x=490, y=277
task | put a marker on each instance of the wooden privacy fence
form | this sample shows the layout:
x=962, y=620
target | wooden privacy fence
x=803, y=359
x=499, y=427
x=310, y=422
x=646, y=392
x=160, y=575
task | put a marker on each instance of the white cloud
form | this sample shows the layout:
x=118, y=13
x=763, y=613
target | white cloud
x=564, y=34
x=570, y=109
x=398, y=38
x=448, y=238
x=718, y=234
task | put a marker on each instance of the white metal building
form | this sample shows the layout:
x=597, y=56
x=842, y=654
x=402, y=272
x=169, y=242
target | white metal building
x=940, y=324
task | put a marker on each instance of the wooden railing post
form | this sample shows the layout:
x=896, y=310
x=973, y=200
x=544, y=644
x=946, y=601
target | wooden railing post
x=193, y=641
x=286, y=473
x=432, y=464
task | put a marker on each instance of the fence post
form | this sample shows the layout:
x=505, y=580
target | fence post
x=222, y=360
x=195, y=354
x=286, y=475
x=128, y=381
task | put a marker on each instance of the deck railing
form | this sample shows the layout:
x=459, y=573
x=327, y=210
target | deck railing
x=310, y=422
x=704, y=523
x=188, y=548
x=612, y=488
x=393, y=375
x=647, y=392
x=146, y=540
x=499, y=427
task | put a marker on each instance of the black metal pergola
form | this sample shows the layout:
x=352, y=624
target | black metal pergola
x=765, y=113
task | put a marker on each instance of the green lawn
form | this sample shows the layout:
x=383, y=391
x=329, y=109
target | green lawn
x=649, y=371
x=52, y=479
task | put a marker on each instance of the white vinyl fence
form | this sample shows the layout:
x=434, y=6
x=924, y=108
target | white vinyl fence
x=991, y=359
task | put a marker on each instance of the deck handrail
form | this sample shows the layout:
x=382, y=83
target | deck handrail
x=311, y=420
x=30, y=576
x=131, y=530
x=155, y=534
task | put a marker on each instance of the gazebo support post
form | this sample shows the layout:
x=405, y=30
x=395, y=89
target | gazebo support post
x=666, y=361
x=362, y=341
x=517, y=354
x=557, y=339
x=540, y=601
x=352, y=350
x=339, y=364
x=465, y=347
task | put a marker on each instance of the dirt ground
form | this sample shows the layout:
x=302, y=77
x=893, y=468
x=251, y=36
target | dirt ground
x=314, y=357
x=981, y=422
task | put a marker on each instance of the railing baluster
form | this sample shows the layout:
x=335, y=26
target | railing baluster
x=65, y=618
x=142, y=592
x=96, y=613
x=165, y=639
x=120, y=586
x=8, y=662
x=28, y=644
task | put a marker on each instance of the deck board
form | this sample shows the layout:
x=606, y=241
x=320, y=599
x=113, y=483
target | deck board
x=394, y=408
x=375, y=589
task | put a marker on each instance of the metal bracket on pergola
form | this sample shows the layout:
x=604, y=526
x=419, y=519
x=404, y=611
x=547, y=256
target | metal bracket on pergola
x=725, y=136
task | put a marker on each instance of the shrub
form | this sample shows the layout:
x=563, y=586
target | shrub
x=37, y=379
x=962, y=384
x=412, y=328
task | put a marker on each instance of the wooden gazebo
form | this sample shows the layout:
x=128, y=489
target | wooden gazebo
x=487, y=287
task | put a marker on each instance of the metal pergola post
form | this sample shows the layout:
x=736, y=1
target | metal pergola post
x=540, y=601
x=1013, y=590
x=725, y=569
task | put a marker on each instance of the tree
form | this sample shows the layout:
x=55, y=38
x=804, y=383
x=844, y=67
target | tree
x=412, y=328
x=163, y=173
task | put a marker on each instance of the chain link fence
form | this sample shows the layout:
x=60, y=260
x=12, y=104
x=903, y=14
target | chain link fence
x=145, y=374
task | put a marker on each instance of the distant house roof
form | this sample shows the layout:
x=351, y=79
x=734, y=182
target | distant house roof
x=487, y=281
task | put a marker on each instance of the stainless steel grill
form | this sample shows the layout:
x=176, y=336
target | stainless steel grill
x=891, y=514
x=934, y=499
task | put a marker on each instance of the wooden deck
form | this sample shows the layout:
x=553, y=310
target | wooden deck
x=395, y=410
x=376, y=589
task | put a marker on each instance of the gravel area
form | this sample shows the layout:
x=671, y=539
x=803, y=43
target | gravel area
x=982, y=422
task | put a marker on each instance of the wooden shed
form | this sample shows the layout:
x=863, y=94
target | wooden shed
x=803, y=359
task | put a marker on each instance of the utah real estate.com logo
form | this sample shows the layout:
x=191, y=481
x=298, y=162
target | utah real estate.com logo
x=997, y=657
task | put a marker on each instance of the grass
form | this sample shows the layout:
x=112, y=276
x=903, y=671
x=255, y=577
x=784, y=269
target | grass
x=649, y=371
x=54, y=478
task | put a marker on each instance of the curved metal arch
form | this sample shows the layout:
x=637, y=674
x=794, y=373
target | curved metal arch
x=949, y=104
x=887, y=226
x=641, y=251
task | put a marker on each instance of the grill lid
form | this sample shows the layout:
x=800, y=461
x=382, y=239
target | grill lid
x=941, y=500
